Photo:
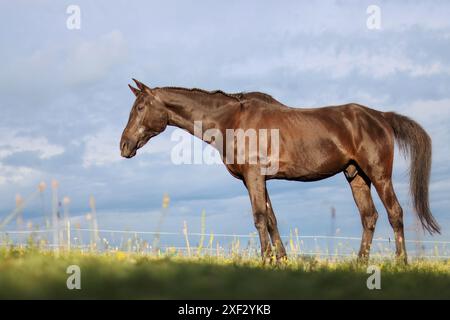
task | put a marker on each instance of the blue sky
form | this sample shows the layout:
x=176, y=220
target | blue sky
x=64, y=100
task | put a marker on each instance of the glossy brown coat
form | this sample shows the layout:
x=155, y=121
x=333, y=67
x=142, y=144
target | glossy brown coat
x=314, y=144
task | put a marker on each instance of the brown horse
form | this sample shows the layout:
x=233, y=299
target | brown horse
x=313, y=144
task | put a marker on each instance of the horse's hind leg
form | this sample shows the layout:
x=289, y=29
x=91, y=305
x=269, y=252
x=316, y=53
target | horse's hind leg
x=387, y=195
x=380, y=175
x=273, y=230
x=360, y=185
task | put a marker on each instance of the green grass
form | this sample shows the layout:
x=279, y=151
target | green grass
x=33, y=274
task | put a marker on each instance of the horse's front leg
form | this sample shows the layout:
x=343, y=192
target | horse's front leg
x=256, y=187
x=272, y=226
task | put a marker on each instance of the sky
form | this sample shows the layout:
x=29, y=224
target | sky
x=65, y=101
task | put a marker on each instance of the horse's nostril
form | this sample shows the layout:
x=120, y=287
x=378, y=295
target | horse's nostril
x=123, y=145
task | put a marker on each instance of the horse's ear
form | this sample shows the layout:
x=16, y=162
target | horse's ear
x=134, y=90
x=143, y=87
x=140, y=85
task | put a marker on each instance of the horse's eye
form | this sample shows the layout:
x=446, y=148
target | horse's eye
x=140, y=107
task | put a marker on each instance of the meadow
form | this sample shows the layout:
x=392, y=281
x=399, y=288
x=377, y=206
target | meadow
x=33, y=273
x=121, y=264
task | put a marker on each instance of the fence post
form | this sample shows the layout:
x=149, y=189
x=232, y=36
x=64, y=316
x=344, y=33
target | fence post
x=55, y=223
x=94, y=220
x=164, y=213
x=68, y=235
x=185, y=232
x=90, y=229
x=19, y=208
x=202, y=232
x=66, y=203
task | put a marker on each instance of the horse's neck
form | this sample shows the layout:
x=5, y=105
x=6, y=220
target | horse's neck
x=187, y=109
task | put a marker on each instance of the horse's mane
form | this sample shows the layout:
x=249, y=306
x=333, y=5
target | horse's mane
x=240, y=96
x=260, y=96
x=235, y=96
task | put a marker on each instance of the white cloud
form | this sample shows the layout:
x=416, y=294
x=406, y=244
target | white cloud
x=338, y=63
x=62, y=64
x=434, y=115
x=430, y=111
x=92, y=59
x=17, y=175
x=103, y=149
x=11, y=143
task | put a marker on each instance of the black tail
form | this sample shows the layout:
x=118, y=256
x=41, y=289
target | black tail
x=413, y=140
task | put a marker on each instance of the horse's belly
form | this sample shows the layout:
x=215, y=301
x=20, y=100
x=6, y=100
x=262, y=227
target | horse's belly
x=309, y=174
x=312, y=164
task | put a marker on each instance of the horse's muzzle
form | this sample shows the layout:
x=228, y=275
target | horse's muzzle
x=128, y=149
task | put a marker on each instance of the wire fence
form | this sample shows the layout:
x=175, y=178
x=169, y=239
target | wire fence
x=208, y=244
x=58, y=234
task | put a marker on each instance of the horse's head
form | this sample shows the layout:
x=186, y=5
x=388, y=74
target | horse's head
x=148, y=118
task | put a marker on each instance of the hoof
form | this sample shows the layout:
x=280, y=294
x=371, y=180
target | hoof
x=402, y=259
x=363, y=259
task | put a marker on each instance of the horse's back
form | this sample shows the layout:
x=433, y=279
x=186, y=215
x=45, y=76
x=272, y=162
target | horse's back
x=319, y=142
